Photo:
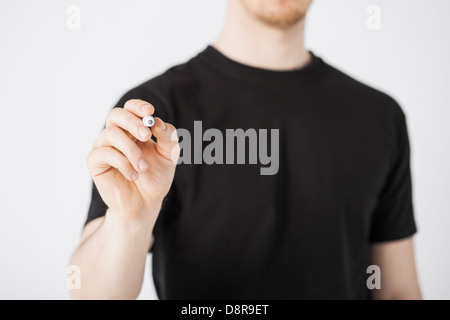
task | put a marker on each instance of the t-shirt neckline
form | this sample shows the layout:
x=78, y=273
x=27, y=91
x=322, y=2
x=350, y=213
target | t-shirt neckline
x=218, y=60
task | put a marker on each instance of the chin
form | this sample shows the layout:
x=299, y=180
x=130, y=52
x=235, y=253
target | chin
x=278, y=13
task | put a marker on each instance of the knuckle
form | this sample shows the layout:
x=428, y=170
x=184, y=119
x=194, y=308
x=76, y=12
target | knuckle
x=113, y=112
x=130, y=103
x=170, y=126
x=94, y=156
x=136, y=152
x=174, y=135
x=135, y=122
x=89, y=157
x=132, y=150
x=114, y=157
x=107, y=152
x=113, y=132
x=127, y=118
x=122, y=162
x=107, y=132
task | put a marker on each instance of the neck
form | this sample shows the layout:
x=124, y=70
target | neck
x=249, y=41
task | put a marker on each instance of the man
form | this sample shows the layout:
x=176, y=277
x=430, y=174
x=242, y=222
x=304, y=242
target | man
x=338, y=201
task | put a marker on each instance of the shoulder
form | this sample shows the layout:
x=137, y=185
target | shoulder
x=346, y=89
x=159, y=90
x=165, y=82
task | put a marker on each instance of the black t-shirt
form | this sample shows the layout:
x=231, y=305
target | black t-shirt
x=343, y=183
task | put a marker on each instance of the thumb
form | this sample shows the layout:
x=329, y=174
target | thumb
x=167, y=140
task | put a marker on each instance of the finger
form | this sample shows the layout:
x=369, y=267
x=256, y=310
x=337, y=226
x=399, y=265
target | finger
x=100, y=160
x=117, y=138
x=129, y=122
x=139, y=108
x=167, y=140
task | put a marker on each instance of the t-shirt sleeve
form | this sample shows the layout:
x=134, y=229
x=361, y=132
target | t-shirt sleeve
x=97, y=208
x=393, y=218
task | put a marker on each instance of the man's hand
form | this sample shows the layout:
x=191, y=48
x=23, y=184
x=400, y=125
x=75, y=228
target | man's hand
x=133, y=173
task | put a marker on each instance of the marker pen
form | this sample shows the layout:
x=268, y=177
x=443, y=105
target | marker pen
x=148, y=121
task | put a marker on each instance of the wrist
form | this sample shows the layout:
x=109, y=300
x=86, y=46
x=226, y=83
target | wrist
x=132, y=222
x=125, y=233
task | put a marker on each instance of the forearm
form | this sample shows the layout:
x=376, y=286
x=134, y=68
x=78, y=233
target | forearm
x=399, y=279
x=112, y=259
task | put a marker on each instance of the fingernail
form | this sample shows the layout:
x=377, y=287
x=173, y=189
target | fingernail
x=134, y=176
x=164, y=127
x=143, y=164
x=143, y=132
x=146, y=108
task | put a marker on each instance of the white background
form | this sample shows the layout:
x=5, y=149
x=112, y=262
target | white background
x=57, y=85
